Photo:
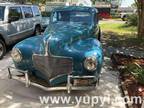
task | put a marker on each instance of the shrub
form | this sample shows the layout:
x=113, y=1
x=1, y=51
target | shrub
x=137, y=71
x=132, y=20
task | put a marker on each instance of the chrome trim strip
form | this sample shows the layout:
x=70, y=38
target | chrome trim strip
x=54, y=88
x=69, y=86
x=49, y=53
x=24, y=31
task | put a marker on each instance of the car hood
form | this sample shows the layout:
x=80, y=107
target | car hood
x=62, y=39
x=61, y=35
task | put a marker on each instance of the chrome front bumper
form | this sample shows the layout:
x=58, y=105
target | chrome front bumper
x=24, y=78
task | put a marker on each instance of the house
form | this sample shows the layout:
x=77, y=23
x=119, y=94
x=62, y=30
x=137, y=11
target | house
x=104, y=6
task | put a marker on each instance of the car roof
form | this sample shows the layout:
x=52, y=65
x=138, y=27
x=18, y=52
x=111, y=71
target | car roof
x=14, y=4
x=75, y=8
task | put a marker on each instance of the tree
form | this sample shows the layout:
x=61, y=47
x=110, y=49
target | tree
x=140, y=10
x=134, y=5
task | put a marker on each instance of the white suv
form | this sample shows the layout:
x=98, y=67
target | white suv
x=18, y=22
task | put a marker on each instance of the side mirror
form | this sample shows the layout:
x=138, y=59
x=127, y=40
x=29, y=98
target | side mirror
x=13, y=18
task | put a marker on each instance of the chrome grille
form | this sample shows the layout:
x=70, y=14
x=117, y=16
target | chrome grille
x=52, y=66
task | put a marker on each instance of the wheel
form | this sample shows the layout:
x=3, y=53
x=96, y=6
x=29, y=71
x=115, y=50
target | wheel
x=99, y=35
x=2, y=49
x=37, y=30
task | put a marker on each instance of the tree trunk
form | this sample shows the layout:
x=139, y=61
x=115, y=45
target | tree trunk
x=140, y=9
x=141, y=26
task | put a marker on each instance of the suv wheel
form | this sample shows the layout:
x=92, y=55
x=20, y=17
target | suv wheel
x=37, y=30
x=2, y=49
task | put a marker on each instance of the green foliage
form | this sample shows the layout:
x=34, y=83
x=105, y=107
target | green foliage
x=46, y=14
x=137, y=72
x=134, y=5
x=132, y=20
x=119, y=28
x=115, y=15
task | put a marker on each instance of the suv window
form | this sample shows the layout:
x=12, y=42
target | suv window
x=28, y=12
x=15, y=12
x=2, y=8
x=36, y=11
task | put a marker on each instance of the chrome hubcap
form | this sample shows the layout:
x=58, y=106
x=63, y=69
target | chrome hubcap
x=1, y=49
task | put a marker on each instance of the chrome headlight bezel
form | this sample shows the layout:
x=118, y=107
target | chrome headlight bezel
x=90, y=63
x=16, y=55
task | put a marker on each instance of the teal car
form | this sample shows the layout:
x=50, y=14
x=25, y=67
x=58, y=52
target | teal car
x=68, y=55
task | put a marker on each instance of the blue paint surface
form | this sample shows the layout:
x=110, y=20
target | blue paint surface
x=74, y=40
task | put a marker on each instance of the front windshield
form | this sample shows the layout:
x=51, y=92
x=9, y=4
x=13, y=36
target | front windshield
x=2, y=8
x=72, y=16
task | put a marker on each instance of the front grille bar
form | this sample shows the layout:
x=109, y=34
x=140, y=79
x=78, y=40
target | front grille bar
x=26, y=80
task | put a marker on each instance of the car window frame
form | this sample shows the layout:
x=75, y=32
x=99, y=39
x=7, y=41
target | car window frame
x=51, y=18
x=4, y=12
x=96, y=18
x=16, y=7
x=33, y=10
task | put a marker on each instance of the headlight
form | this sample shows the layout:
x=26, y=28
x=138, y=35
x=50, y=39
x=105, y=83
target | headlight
x=16, y=55
x=90, y=63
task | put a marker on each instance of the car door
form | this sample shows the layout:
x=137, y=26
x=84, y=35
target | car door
x=28, y=14
x=14, y=26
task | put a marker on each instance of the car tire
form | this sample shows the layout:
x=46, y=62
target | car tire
x=2, y=49
x=37, y=31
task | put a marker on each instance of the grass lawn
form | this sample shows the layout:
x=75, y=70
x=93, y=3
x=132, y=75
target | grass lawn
x=118, y=34
x=119, y=28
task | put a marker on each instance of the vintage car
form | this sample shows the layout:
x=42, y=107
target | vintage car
x=68, y=56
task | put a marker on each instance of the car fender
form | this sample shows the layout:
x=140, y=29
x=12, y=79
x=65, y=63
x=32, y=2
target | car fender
x=28, y=47
x=37, y=22
x=4, y=37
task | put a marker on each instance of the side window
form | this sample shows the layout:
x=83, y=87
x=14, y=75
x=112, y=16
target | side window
x=27, y=12
x=15, y=12
x=36, y=11
x=54, y=18
x=57, y=17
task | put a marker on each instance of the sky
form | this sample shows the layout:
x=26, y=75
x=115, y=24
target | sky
x=126, y=3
